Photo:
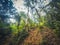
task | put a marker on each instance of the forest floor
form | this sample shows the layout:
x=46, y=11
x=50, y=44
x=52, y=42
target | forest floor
x=41, y=36
x=37, y=36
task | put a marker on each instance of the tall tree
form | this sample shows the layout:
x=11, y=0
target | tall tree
x=6, y=11
x=36, y=6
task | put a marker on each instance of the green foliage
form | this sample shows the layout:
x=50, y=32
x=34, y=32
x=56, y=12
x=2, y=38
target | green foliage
x=57, y=28
x=23, y=15
x=22, y=24
x=18, y=38
x=14, y=28
x=51, y=20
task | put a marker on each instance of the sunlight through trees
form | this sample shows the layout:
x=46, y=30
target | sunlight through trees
x=29, y=22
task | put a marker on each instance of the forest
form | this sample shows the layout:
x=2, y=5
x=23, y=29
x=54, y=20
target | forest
x=29, y=22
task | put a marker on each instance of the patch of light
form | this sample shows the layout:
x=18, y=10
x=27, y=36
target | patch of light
x=19, y=6
x=42, y=13
x=11, y=20
x=46, y=2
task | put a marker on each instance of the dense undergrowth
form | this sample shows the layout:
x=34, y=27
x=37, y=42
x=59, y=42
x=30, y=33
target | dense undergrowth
x=34, y=36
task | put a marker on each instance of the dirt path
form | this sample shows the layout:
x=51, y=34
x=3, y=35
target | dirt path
x=34, y=38
x=44, y=36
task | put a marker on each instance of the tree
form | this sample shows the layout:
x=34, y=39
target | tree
x=53, y=15
x=37, y=6
x=6, y=11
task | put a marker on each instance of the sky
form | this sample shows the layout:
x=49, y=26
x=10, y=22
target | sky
x=19, y=5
